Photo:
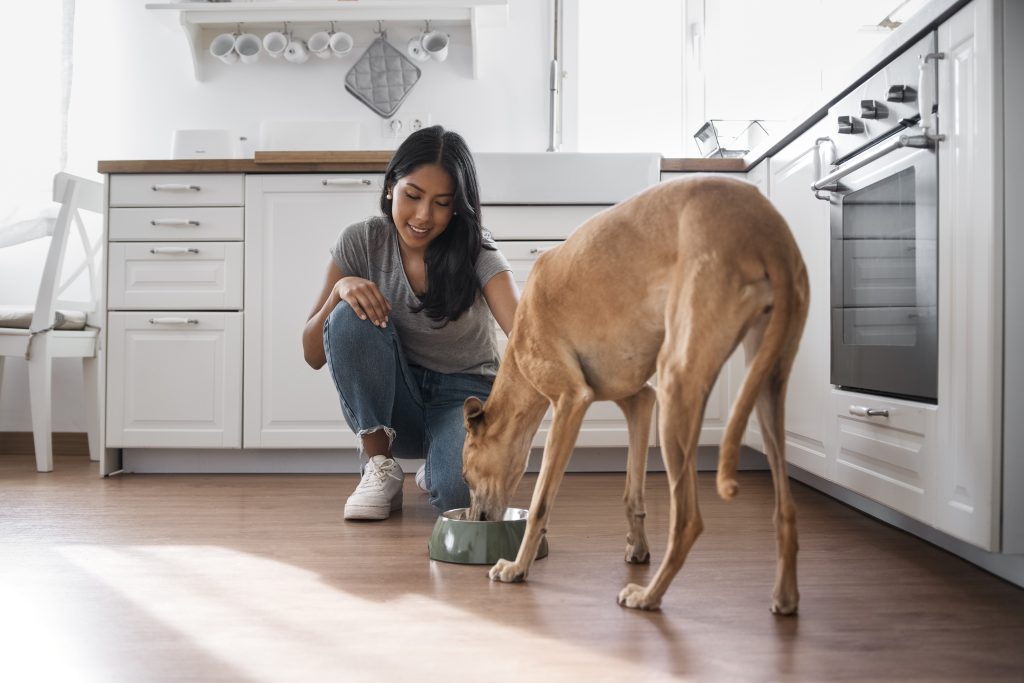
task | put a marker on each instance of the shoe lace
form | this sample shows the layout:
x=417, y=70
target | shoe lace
x=375, y=476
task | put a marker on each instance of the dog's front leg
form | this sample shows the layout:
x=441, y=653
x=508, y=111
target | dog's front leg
x=565, y=426
x=639, y=409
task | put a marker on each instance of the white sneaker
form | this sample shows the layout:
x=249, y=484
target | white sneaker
x=421, y=478
x=379, y=492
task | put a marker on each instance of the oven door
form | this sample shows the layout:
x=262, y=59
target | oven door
x=884, y=229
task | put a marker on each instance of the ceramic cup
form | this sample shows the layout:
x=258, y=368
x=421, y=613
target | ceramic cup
x=248, y=46
x=320, y=44
x=415, y=49
x=274, y=43
x=223, y=48
x=435, y=44
x=296, y=52
x=341, y=43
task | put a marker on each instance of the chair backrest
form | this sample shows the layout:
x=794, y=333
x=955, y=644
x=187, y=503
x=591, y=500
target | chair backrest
x=74, y=194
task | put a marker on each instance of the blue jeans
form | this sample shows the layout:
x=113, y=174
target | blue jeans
x=421, y=410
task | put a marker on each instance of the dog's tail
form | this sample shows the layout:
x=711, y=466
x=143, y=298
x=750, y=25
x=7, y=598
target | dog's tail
x=783, y=277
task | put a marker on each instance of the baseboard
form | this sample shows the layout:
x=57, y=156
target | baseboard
x=1008, y=567
x=64, y=443
x=346, y=461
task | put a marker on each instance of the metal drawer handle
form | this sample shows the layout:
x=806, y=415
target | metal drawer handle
x=175, y=187
x=539, y=250
x=344, y=182
x=173, y=250
x=174, y=222
x=864, y=411
x=173, y=321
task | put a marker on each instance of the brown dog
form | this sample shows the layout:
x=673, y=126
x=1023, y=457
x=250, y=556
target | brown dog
x=671, y=280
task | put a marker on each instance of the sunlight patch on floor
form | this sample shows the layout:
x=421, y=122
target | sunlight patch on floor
x=271, y=621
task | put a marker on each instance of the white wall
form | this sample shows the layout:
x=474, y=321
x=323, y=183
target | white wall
x=133, y=86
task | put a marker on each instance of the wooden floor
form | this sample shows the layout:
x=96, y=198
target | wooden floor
x=257, y=578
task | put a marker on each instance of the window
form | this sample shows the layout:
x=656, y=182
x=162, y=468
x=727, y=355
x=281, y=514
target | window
x=644, y=76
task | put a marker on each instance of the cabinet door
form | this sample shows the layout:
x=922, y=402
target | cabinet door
x=174, y=380
x=791, y=173
x=291, y=222
x=970, y=279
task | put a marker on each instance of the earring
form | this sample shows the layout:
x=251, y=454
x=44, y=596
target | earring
x=388, y=196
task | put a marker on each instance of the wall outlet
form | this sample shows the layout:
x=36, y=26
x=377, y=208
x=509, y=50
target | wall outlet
x=399, y=127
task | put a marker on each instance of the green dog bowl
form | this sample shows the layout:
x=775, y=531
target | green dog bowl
x=457, y=539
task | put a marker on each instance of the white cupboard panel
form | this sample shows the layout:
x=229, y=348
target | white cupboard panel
x=174, y=379
x=175, y=276
x=177, y=189
x=536, y=222
x=888, y=458
x=291, y=222
x=191, y=223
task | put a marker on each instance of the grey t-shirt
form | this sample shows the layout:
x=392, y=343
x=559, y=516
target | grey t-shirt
x=369, y=249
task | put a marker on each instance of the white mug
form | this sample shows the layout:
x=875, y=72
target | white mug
x=223, y=48
x=415, y=49
x=320, y=44
x=274, y=43
x=435, y=44
x=341, y=43
x=248, y=47
x=296, y=52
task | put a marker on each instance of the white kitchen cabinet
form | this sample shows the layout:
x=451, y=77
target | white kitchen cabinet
x=970, y=276
x=885, y=450
x=174, y=379
x=174, y=369
x=291, y=222
x=808, y=413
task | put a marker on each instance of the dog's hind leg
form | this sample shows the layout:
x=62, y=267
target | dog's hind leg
x=692, y=356
x=569, y=410
x=638, y=408
x=771, y=415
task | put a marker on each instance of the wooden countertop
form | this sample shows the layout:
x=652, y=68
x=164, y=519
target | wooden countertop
x=343, y=162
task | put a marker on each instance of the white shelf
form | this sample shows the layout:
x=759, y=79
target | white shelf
x=194, y=16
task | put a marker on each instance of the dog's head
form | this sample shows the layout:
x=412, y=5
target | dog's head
x=491, y=464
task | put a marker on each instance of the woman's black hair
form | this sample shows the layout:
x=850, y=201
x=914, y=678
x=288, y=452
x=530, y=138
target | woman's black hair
x=452, y=284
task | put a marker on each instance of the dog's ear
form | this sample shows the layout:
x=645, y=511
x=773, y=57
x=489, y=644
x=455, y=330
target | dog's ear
x=473, y=410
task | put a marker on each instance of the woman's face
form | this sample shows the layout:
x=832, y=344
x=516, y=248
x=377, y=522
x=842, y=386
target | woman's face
x=422, y=204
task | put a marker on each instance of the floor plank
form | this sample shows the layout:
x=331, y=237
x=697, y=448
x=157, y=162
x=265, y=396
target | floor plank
x=258, y=578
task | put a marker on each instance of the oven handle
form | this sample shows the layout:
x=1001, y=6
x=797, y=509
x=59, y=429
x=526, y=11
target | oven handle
x=830, y=183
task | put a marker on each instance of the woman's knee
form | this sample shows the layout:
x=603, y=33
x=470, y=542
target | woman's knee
x=343, y=330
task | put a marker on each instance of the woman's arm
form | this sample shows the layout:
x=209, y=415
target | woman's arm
x=364, y=297
x=502, y=296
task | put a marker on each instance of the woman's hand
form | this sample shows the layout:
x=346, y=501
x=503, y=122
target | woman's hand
x=364, y=298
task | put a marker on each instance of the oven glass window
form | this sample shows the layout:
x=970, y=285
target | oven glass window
x=888, y=286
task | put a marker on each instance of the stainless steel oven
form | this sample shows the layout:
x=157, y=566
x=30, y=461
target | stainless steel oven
x=882, y=191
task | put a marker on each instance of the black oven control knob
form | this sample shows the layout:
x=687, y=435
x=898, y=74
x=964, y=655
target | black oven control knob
x=849, y=125
x=901, y=93
x=873, y=109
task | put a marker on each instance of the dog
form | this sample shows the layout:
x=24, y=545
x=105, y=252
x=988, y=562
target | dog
x=669, y=281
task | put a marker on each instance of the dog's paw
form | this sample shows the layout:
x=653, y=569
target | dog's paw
x=636, y=597
x=507, y=572
x=785, y=605
x=637, y=553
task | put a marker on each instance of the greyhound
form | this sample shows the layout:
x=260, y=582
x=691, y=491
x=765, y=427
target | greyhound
x=670, y=281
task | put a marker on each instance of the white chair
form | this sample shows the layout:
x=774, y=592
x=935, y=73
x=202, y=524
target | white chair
x=57, y=328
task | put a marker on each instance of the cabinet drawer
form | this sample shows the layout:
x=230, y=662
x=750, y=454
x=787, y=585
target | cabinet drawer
x=886, y=458
x=174, y=380
x=536, y=222
x=177, y=189
x=176, y=275
x=176, y=223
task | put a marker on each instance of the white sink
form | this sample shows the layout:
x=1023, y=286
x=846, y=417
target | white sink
x=564, y=177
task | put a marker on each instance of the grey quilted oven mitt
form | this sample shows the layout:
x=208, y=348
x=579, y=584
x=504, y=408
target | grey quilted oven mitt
x=382, y=78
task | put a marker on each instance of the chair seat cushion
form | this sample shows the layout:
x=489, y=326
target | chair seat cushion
x=21, y=318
